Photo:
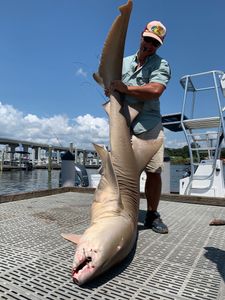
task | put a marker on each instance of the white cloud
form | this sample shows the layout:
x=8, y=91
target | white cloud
x=174, y=139
x=81, y=72
x=81, y=131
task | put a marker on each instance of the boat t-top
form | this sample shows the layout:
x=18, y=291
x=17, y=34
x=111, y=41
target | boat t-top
x=202, y=121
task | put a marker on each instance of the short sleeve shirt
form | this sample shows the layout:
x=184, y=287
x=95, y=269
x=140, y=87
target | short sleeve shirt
x=155, y=69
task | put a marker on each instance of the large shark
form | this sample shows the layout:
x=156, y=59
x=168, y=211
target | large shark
x=114, y=214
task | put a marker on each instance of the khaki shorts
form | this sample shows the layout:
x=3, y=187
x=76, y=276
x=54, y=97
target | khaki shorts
x=155, y=165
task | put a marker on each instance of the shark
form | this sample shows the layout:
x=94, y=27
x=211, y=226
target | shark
x=112, y=233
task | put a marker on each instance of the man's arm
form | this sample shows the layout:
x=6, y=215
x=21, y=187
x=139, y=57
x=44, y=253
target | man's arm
x=148, y=91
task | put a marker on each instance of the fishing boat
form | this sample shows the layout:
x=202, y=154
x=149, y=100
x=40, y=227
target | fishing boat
x=202, y=121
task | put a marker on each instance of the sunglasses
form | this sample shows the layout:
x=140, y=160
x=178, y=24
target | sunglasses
x=154, y=42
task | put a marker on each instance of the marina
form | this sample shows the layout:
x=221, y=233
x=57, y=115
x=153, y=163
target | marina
x=26, y=155
x=204, y=136
x=39, y=179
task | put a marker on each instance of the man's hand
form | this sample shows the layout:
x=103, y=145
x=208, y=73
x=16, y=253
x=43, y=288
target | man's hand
x=107, y=92
x=116, y=85
x=119, y=86
x=149, y=91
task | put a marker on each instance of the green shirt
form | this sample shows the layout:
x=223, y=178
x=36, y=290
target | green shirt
x=155, y=69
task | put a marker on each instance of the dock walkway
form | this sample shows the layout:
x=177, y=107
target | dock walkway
x=35, y=262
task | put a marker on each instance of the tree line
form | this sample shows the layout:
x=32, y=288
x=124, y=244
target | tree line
x=181, y=155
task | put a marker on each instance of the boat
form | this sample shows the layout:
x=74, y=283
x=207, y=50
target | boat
x=81, y=176
x=204, y=131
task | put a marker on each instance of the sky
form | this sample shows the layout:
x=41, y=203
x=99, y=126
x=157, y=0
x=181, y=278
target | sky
x=50, y=48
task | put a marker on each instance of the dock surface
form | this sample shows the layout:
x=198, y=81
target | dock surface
x=35, y=262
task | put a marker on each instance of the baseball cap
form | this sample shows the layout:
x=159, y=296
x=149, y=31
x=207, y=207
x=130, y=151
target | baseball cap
x=156, y=30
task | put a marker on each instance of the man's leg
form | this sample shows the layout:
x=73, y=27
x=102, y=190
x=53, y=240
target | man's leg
x=153, y=192
x=153, y=181
x=153, y=187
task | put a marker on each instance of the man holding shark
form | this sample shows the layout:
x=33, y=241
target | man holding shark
x=113, y=229
x=144, y=78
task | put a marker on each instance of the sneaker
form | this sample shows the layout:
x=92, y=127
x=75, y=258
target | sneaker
x=153, y=221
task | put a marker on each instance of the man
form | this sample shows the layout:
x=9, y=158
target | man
x=144, y=79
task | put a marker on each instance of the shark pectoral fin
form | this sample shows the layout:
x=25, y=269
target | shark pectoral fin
x=106, y=107
x=108, y=188
x=130, y=112
x=144, y=150
x=98, y=79
x=74, y=238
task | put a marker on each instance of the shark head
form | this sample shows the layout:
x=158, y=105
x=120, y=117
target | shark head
x=99, y=248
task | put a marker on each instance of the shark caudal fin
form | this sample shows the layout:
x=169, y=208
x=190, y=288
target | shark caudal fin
x=144, y=150
x=108, y=188
x=112, y=54
x=98, y=79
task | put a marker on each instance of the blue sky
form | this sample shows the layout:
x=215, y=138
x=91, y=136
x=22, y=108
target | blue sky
x=50, y=48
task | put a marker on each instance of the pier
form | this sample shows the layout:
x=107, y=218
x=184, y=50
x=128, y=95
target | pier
x=16, y=154
x=187, y=263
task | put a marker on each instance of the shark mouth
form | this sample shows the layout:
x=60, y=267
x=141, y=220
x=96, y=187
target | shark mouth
x=84, y=268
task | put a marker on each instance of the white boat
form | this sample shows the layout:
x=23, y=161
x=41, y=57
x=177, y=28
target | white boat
x=95, y=178
x=204, y=131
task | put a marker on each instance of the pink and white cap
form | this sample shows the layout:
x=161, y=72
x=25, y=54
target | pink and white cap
x=156, y=30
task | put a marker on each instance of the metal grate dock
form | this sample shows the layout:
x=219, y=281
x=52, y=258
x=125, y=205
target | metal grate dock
x=35, y=262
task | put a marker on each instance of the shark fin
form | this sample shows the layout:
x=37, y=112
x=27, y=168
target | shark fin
x=112, y=53
x=144, y=150
x=106, y=107
x=74, y=238
x=108, y=188
x=98, y=79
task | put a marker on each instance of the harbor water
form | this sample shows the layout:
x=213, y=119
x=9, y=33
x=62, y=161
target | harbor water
x=12, y=182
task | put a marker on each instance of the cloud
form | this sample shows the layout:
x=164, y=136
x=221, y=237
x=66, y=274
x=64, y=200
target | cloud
x=56, y=130
x=81, y=72
x=82, y=131
x=174, y=139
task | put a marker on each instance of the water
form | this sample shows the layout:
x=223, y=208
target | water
x=176, y=173
x=12, y=182
x=25, y=181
